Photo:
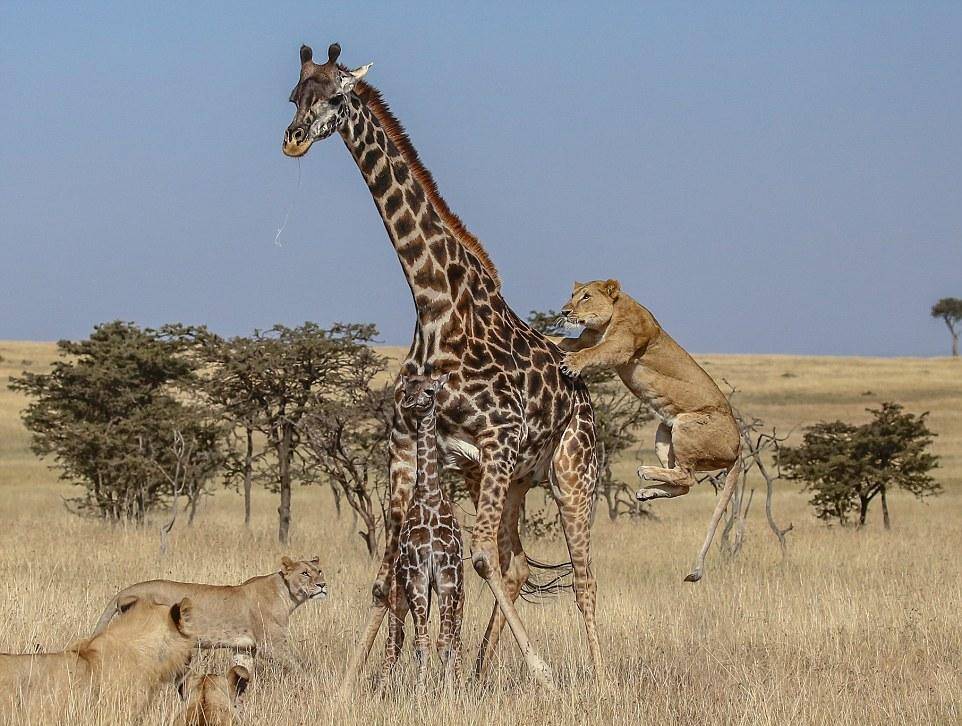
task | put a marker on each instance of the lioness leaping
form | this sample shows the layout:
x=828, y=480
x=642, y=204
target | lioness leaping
x=248, y=618
x=697, y=430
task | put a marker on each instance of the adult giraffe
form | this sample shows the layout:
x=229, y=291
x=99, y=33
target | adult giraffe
x=507, y=414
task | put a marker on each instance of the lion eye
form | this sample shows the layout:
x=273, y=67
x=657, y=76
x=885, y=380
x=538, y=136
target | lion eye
x=586, y=296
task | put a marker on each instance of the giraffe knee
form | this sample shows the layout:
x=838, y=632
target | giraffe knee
x=482, y=563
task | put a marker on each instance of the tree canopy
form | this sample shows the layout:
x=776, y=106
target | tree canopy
x=115, y=415
x=949, y=309
x=848, y=466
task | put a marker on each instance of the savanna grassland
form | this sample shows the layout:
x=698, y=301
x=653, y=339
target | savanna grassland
x=856, y=627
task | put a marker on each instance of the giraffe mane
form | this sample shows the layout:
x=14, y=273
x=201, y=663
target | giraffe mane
x=398, y=136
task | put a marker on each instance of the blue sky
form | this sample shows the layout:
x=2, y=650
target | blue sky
x=764, y=177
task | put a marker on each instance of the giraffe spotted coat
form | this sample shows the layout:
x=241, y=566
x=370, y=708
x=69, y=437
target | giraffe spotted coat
x=430, y=552
x=506, y=411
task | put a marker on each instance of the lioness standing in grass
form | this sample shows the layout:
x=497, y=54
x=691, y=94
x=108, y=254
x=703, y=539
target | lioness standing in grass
x=247, y=618
x=147, y=645
x=697, y=430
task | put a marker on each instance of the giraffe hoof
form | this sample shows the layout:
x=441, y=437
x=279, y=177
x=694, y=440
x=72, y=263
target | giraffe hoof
x=541, y=672
x=645, y=495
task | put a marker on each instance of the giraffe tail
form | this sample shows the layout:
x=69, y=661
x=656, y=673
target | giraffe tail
x=550, y=584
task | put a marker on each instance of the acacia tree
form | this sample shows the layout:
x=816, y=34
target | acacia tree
x=294, y=366
x=758, y=447
x=107, y=414
x=950, y=310
x=347, y=432
x=848, y=466
x=231, y=381
x=618, y=416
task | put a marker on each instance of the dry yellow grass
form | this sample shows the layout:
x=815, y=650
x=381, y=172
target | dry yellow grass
x=856, y=628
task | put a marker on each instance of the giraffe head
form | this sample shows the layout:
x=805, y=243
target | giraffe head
x=420, y=392
x=320, y=96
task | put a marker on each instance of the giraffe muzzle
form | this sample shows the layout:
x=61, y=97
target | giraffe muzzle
x=296, y=141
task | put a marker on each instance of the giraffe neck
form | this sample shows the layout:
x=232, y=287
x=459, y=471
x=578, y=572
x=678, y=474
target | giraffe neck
x=445, y=277
x=428, y=482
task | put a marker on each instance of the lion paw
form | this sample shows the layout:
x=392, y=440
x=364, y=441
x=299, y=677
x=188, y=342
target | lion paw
x=646, y=495
x=569, y=367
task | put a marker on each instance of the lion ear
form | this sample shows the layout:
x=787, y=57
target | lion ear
x=182, y=613
x=126, y=602
x=315, y=560
x=577, y=285
x=237, y=681
x=612, y=288
x=287, y=564
x=183, y=687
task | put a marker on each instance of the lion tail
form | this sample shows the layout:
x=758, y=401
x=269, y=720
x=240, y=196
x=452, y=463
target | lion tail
x=731, y=479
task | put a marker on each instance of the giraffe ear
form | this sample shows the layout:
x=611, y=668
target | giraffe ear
x=442, y=379
x=361, y=71
x=306, y=54
x=612, y=288
x=349, y=79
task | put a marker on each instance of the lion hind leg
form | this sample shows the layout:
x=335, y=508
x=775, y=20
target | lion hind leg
x=663, y=448
x=668, y=482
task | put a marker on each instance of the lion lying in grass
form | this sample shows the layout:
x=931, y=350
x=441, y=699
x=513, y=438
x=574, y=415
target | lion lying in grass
x=697, y=430
x=248, y=618
x=147, y=645
x=212, y=700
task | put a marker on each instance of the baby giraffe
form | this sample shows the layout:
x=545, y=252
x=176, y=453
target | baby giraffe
x=430, y=548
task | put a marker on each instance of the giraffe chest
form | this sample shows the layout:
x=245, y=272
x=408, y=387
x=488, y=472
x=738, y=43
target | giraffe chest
x=430, y=541
x=505, y=386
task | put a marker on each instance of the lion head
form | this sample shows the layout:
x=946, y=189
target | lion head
x=213, y=699
x=304, y=579
x=592, y=303
x=146, y=645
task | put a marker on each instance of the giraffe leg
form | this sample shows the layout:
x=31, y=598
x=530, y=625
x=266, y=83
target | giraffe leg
x=403, y=466
x=514, y=570
x=397, y=612
x=456, y=631
x=450, y=611
x=573, y=473
x=496, y=468
x=418, y=591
